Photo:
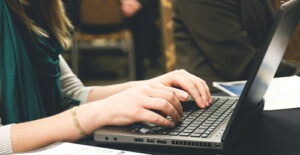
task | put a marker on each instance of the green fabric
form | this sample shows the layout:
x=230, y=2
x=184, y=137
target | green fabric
x=29, y=70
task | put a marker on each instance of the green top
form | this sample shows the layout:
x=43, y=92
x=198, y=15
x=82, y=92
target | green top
x=29, y=70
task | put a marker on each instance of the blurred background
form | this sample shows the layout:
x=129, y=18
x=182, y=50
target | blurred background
x=115, y=40
x=119, y=40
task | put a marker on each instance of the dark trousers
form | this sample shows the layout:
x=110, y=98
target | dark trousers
x=146, y=36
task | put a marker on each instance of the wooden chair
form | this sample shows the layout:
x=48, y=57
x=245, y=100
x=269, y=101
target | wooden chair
x=167, y=34
x=94, y=14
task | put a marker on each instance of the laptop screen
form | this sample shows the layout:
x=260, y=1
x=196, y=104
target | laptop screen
x=267, y=62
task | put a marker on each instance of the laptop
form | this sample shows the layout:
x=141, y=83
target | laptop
x=214, y=127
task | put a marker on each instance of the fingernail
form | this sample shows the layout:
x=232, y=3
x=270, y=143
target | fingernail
x=202, y=105
x=178, y=117
x=172, y=124
x=207, y=103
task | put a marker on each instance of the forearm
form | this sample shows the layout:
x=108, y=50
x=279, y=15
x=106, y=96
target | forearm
x=36, y=134
x=101, y=92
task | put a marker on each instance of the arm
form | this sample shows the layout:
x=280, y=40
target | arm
x=101, y=92
x=74, y=88
x=54, y=129
x=110, y=111
x=16, y=136
x=135, y=104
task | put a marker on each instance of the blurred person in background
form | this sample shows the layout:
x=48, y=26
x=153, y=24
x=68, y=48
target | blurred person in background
x=141, y=19
x=219, y=39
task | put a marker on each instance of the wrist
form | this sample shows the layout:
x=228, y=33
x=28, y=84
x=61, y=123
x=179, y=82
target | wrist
x=90, y=116
x=76, y=122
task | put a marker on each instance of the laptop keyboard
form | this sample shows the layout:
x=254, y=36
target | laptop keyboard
x=195, y=122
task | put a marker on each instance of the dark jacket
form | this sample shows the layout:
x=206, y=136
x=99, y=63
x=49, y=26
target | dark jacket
x=218, y=39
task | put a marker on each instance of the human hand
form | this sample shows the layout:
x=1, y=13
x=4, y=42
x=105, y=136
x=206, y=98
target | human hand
x=138, y=104
x=130, y=7
x=192, y=84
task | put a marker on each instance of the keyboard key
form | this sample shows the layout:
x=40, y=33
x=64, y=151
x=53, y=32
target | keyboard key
x=173, y=133
x=187, y=131
x=214, y=125
x=218, y=122
x=198, y=112
x=195, y=135
x=202, y=127
x=206, y=124
x=197, y=123
x=204, y=135
x=184, y=134
x=183, y=125
x=200, y=119
x=191, y=127
x=222, y=100
x=215, y=100
x=192, y=116
x=188, y=121
x=212, y=117
x=199, y=131
x=179, y=129
x=194, y=125
x=210, y=130
x=209, y=121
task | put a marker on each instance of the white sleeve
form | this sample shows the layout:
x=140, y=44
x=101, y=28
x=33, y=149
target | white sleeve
x=5, y=140
x=71, y=85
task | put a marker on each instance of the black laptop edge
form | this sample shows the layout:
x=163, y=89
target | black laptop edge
x=249, y=106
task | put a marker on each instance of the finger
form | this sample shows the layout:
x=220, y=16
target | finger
x=204, y=84
x=207, y=91
x=163, y=106
x=152, y=117
x=161, y=91
x=185, y=83
x=180, y=94
x=202, y=91
x=200, y=85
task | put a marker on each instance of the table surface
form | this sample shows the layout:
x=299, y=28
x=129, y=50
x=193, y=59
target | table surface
x=277, y=133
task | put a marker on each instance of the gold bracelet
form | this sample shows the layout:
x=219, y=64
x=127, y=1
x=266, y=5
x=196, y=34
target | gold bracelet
x=76, y=122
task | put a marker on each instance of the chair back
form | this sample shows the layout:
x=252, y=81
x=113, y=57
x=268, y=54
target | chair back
x=167, y=34
x=100, y=12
